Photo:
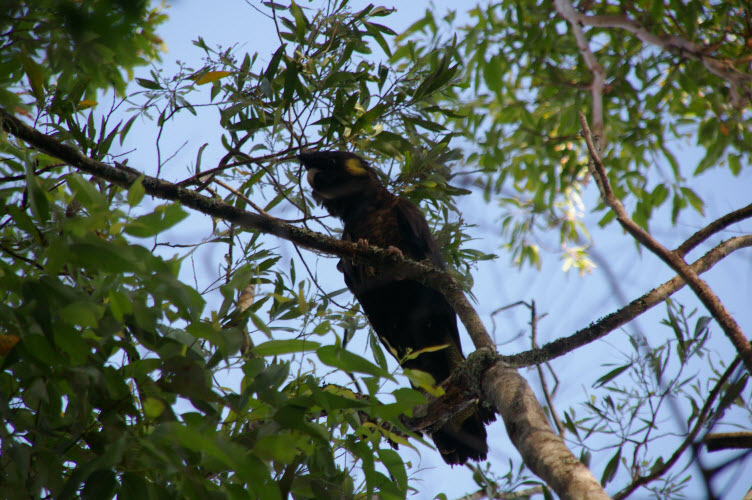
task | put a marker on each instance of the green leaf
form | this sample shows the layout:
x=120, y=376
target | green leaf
x=271, y=70
x=100, y=484
x=85, y=192
x=425, y=381
x=694, y=200
x=250, y=124
x=40, y=204
x=282, y=447
x=120, y=305
x=134, y=487
x=301, y=23
x=148, y=84
x=153, y=407
x=81, y=314
x=103, y=256
x=136, y=192
x=611, y=467
x=36, y=77
x=345, y=360
x=261, y=325
x=611, y=375
x=163, y=218
x=277, y=347
x=734, y=164
x=440, y=77
x=375, y=31
x=40, y=348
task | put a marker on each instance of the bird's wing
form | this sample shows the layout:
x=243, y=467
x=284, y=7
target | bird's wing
x=416, y=236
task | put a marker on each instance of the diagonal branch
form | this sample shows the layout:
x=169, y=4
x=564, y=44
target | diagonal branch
x=620, y=317
x=673, y=259
x=714, y=227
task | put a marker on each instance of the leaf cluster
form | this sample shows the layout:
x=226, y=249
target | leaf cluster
x=521, y=65
x=63, y=52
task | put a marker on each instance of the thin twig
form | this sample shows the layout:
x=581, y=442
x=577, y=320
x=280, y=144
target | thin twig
x=241, y=196
x=702, y=417
x=565, y=9
x=544, y=385
x=681, y=47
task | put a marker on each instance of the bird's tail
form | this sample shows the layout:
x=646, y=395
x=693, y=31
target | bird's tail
x=465, y=439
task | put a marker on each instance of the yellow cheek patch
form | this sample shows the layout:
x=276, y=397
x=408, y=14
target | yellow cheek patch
x=354, y=167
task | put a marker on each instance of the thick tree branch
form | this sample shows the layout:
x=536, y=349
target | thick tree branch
x=727, y=440
x=542, y=449
x=622, y=316
x=674, y=260
x=528, y=427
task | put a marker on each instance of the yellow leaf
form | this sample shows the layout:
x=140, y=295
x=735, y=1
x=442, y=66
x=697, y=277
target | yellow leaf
x=86, y=104
x=7, y=342
x=211, y=76
x=433, y=348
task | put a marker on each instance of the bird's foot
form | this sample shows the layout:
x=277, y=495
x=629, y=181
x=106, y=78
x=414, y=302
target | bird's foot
x=393, y=251
x=363, y=244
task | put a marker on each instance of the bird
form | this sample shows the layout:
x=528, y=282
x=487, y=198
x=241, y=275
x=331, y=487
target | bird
x=405, y=314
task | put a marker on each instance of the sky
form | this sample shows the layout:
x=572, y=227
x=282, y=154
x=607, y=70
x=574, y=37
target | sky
x=569, y=301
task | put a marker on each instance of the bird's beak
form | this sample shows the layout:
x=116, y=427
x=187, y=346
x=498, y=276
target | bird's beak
x=304, y=159
x=311, y=176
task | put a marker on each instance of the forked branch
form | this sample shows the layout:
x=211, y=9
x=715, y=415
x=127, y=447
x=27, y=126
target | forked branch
x=672, y=258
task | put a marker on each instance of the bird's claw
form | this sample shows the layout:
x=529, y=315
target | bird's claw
x=363, y=244
x=393, y=251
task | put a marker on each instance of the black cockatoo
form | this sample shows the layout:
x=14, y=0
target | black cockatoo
x=403, y=313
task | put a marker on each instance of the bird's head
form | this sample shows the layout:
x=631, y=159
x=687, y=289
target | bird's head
x=336, y=174
x=342, y=182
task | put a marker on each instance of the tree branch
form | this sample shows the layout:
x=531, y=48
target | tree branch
x=674, y=260
x=725, y=440
x=675, y=45
x=622, y=316
x=541, y=449
x=565, y=9
x=714, y=227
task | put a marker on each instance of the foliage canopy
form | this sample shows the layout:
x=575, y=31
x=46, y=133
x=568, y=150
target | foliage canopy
x=114, y=365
